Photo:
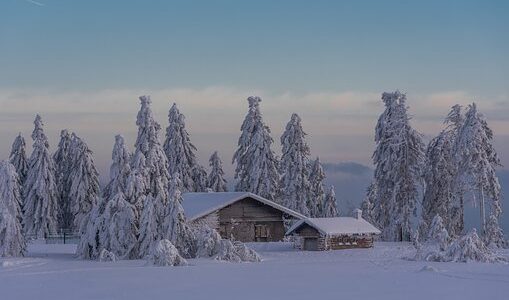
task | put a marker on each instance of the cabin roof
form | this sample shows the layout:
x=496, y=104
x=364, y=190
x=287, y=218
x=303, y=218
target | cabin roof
x=337, y=226
x=198, y=205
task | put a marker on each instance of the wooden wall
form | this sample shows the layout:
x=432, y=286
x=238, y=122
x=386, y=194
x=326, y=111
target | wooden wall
x=248, y=220
x=331, y=242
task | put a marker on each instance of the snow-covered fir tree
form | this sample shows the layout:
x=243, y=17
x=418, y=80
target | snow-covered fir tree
x=83, y=181
x=177, y=230
x=121, y=219
x=295, y=186
x=149, y=161
x=368, y=211
x=441, y=195
x=122, y=195
x=256, y=164
x=63, y=162
x=398, y=159
x=200, y=178
x=317, y=190
x=330, y=206
x=477, y=163
x=180, y=151
x=494, y=236
x=438, y=233
x=216, y=181
x=12, y=240
x=18, y=157
x=40, y=194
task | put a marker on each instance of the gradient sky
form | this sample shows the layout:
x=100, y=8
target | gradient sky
x=82, y=65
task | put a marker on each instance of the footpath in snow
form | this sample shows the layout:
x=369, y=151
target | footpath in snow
x=52, y=272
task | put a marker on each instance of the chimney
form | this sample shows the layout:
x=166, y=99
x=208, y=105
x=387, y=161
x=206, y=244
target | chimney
x=358, y=214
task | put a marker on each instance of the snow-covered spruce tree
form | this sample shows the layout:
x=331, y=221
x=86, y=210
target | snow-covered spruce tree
x=63, y=162
x=398, y=159
x=18, y=158
x=176, y=228
x=39, y=191
x=180, y=151
x=200, y=179
x=154, y=170
x=317, y=191
x=83, y=182
x=478, y=160
x=330, y=207
x=494, y=236
x=121, y=212
x=295, y=186
x=438, y=233
x=216, y=181
x=121, y=219
x=368, y=211
x=12, y=241
x=92, y=233
x=256, y=170
x=442, y=196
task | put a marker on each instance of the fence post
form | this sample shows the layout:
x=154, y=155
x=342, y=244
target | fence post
x=64, y=237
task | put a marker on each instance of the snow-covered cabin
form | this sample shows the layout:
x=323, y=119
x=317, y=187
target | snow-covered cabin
x=319, y=234
x=242, y=216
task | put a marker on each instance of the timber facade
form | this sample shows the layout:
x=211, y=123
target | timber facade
x=310, y=239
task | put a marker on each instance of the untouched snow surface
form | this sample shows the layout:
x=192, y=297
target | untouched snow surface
x=52, y=272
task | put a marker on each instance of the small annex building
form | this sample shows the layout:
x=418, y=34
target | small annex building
x=241, y=216
x=320, y=234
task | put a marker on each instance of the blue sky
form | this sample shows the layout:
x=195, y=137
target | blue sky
x=300, y=46
x=82, y=65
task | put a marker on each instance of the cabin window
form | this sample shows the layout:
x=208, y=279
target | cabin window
x=261, y=233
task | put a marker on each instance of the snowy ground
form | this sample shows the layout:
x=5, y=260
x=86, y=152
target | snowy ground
x=51, y=272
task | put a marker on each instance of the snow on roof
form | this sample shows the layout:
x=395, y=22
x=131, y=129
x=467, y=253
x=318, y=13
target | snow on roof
x=334, y=226
x=197, y=205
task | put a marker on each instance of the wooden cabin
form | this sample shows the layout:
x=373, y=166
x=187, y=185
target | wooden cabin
x=240, y=216
x=320, y=234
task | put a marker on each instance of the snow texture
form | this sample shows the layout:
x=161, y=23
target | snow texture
x=166, y=255
x=51, y=272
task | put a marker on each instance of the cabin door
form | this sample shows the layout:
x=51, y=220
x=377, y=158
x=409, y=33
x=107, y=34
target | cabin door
x=310, y=244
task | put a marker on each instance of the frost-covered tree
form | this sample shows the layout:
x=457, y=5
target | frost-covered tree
x=477, y=163
x=368, y=211
x=120, y=168
x=150, y=162
x=180, y=151
x=330, y=207
x=317, y=190
x=121, y=219
x=18, y=158
x=256, y=164
x=200, y=179
x=122, y=196
x=438, y=233
x=398, y=159
x=295, y=186
x=216, y=181
x=92, y=233
x=83, y=181
x=12, y=241
x=40, y=191
x=442, y=195
x=176, y=228
x=63, y=163
x=494, y=236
